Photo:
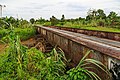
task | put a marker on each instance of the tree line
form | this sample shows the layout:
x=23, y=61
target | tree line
x=94, y=18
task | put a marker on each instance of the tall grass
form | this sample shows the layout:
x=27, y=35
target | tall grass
x=20, y=63
x=24, y=34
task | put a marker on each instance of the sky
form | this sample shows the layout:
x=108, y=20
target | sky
x=46, y=8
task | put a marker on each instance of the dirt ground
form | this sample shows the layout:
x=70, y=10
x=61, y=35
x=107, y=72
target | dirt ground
x=38, y=42
x=2, y=47
x=28, y=43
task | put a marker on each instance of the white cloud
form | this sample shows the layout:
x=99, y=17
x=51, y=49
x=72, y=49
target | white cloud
x=47, y=8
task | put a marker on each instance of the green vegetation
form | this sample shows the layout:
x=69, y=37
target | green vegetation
x=32, y=20
x=82, y=72
x=20, y=63
x=95, y=20
x=99, y=28
x=22, y=28
x=24, y=34
x=102, y=29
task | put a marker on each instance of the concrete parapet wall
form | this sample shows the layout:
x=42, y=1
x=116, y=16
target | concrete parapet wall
x=75, y=47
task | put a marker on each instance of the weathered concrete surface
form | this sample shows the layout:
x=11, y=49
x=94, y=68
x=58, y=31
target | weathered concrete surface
x=107, y=47
x=76, y=45
x=102, y=34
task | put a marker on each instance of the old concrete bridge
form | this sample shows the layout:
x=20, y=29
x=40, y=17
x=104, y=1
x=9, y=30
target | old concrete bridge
x=75, y=45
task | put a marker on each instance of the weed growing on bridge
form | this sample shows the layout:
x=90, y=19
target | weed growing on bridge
x=20, y=63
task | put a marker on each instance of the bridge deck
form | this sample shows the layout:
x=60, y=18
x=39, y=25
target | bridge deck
x=108, y=47
x=93, y=38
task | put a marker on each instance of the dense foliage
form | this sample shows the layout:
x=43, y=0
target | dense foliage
x=17, y=23
x=24, y=34
x=19, y=62
x=22, y=28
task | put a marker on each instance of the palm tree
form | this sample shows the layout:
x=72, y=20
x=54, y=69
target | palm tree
x=113, y=17
x=101, y=14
